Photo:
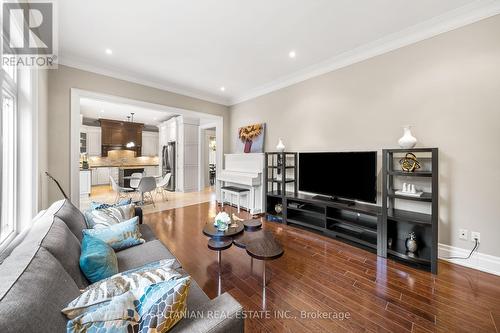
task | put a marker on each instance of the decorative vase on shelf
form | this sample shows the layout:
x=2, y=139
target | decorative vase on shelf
x=407, y=141
x=411, y=243
x=280, y=146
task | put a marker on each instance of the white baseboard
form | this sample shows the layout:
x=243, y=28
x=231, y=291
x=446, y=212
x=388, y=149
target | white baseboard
x=480, y=261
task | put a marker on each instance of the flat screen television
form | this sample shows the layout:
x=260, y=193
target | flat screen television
x=347, y=175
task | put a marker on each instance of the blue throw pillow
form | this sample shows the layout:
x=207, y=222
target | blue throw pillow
x=102, y=205
x=97, y=259
x=119, y=236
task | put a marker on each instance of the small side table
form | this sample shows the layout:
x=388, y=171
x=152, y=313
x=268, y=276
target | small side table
x=265, y=248
x=252, y=225
x=219, y=245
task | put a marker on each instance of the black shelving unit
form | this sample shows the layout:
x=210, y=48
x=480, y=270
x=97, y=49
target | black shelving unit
x=356, y=223
x=280, y=172
x=398, y=223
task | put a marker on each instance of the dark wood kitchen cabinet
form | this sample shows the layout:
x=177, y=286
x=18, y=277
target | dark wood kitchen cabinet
x=115, y=135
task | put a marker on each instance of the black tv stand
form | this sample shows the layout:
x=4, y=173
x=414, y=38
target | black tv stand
x=350, y=221
x=334, y=199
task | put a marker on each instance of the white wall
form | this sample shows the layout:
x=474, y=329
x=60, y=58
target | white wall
x=447, y=87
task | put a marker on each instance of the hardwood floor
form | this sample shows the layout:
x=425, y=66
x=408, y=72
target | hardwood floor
x=323, y=276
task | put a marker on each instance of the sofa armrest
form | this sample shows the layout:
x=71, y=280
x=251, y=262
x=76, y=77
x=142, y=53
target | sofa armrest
x=221, y=314
x=138, y=212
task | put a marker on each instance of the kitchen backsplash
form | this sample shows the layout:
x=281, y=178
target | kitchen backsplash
x=122, y=157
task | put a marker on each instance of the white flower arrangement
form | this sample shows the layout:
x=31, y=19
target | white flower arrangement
x=222, y=217
x=222, y=221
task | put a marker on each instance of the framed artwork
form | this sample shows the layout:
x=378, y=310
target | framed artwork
x=251, y=139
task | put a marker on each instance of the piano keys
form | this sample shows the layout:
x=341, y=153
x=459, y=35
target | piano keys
x=245, y=171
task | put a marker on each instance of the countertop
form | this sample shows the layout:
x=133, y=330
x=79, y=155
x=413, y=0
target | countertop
x=126, y=166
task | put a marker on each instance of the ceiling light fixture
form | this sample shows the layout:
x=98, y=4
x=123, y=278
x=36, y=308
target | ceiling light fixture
x=109, y=51
x=222, y=88
x=292, y=54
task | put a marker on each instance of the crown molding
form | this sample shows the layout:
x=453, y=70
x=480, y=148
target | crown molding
x=451, y=20
x=169, y=87
x=476, y=11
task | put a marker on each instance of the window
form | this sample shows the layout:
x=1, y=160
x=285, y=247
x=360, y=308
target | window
x=8, y=149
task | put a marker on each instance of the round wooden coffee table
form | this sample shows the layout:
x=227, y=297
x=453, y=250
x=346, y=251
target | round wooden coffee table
x=211, y=230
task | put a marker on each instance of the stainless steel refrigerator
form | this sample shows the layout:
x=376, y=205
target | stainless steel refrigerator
x=168, y=163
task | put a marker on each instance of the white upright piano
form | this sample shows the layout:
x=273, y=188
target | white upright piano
x=245, y=171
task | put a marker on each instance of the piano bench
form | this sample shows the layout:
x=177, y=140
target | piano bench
x=233, y=190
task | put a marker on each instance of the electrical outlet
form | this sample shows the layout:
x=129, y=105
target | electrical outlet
x=475, y=235
x=463, y=234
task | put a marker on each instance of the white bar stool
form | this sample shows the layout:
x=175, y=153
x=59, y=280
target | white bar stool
x=233, y=190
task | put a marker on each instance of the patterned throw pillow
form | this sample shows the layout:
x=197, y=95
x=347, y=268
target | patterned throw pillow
x=102, y=218
x=117, y=315
x=97, y=259
x=162, y=305
x=154, y=309
x=119, y=236
x=103, y=205
x=118, y=284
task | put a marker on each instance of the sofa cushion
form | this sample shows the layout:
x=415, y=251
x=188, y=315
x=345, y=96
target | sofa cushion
x=119, y=236
x=146, y=232
x=117, y=315
x=102, y=205
x=98, y=260
x=136, y=280
x=196, y=297
x=140, y=255
x=103, y=218
x=73, y=218
x=65, y=247
x=34, y=302
x=163, y=304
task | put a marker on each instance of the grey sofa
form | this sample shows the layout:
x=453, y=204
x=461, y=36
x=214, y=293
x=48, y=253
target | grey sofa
x=41, y=274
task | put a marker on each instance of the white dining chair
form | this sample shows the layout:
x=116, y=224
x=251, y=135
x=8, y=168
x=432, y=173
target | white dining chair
x=121, y=192
x=146, y=186
x=160, y=185
x=135, y=180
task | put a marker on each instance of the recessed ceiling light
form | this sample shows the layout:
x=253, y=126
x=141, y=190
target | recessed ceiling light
x=292, y=54
x=109, y=51
x=222, y=88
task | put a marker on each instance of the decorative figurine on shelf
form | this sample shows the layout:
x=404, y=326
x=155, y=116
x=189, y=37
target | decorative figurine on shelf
x=278, y=208
x=411, y=243
x=222, y=221
x=407, y=141
x=409, y=190
x=409, y=163
x=280, y=147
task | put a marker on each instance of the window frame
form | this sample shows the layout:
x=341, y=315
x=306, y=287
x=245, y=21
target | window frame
x=8, y=201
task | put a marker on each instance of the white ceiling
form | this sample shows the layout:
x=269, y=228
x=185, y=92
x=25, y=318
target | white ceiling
x=95, y=109
x=196, y=46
